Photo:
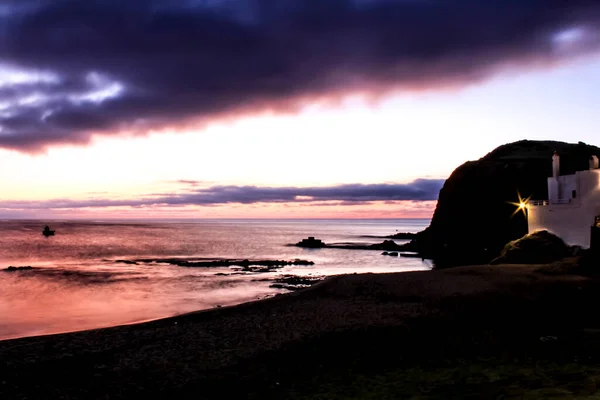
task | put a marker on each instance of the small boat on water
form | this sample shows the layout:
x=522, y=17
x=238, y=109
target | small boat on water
x=47, y=232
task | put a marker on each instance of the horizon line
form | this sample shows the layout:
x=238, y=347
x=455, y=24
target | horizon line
x=202, y=219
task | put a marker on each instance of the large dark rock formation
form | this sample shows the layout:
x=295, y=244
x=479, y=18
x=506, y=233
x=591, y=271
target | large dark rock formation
x=473, y=220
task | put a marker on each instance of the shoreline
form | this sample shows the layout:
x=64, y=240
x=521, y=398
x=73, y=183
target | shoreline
x=343, y=329
x=263, y=286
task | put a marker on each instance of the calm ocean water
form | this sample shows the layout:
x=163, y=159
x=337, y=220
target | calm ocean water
x=78, y=285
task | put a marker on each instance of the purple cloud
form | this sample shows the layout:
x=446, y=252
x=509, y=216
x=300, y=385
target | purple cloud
x=70, y=69
x=418, y=190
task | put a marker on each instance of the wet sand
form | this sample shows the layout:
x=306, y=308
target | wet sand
x=471, y=332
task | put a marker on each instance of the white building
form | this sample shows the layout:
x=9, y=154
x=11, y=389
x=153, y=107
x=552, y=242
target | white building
x=573, y=204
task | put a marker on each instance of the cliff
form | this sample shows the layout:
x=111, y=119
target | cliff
x=474, y=220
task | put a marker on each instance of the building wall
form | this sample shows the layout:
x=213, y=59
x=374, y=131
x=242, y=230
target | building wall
x=571, y=221
x=562, y=187
x=589, y=183
x=572, y=224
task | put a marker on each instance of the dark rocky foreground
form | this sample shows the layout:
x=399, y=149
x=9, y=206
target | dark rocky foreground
x=539, y=247
x=484, y=332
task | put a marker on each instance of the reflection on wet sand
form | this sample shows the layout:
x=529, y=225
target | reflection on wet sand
x=51, y=300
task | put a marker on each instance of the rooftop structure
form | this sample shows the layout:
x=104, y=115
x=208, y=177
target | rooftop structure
x=572, y=210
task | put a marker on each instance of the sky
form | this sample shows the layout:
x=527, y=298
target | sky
x=278, y=108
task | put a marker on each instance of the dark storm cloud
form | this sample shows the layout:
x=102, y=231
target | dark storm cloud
x=111, y=66
x=419, y=190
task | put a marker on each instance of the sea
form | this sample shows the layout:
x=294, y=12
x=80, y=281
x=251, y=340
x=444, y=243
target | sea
x=88, y=275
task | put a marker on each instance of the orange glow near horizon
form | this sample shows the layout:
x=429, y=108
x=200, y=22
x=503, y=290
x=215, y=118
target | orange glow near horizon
x=357, y=139
x=321, y=210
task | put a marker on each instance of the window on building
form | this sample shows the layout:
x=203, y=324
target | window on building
x=597, y=222
x=574, y=194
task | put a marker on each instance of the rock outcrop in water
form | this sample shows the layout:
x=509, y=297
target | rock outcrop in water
x=246, y=265
x=388, y=245
x=13, y=269
x=473, y=218
x=311, y=243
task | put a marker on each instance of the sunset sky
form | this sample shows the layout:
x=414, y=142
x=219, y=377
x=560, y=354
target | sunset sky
x=278, y=108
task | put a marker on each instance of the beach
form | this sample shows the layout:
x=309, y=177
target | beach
x=468, y=332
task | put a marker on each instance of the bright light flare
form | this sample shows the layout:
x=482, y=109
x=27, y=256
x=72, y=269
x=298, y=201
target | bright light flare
x=521, y=205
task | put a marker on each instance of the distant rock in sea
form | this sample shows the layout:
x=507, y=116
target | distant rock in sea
x=311, y=243
x=12, y=269
x=128, y=262
x=388, y=245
